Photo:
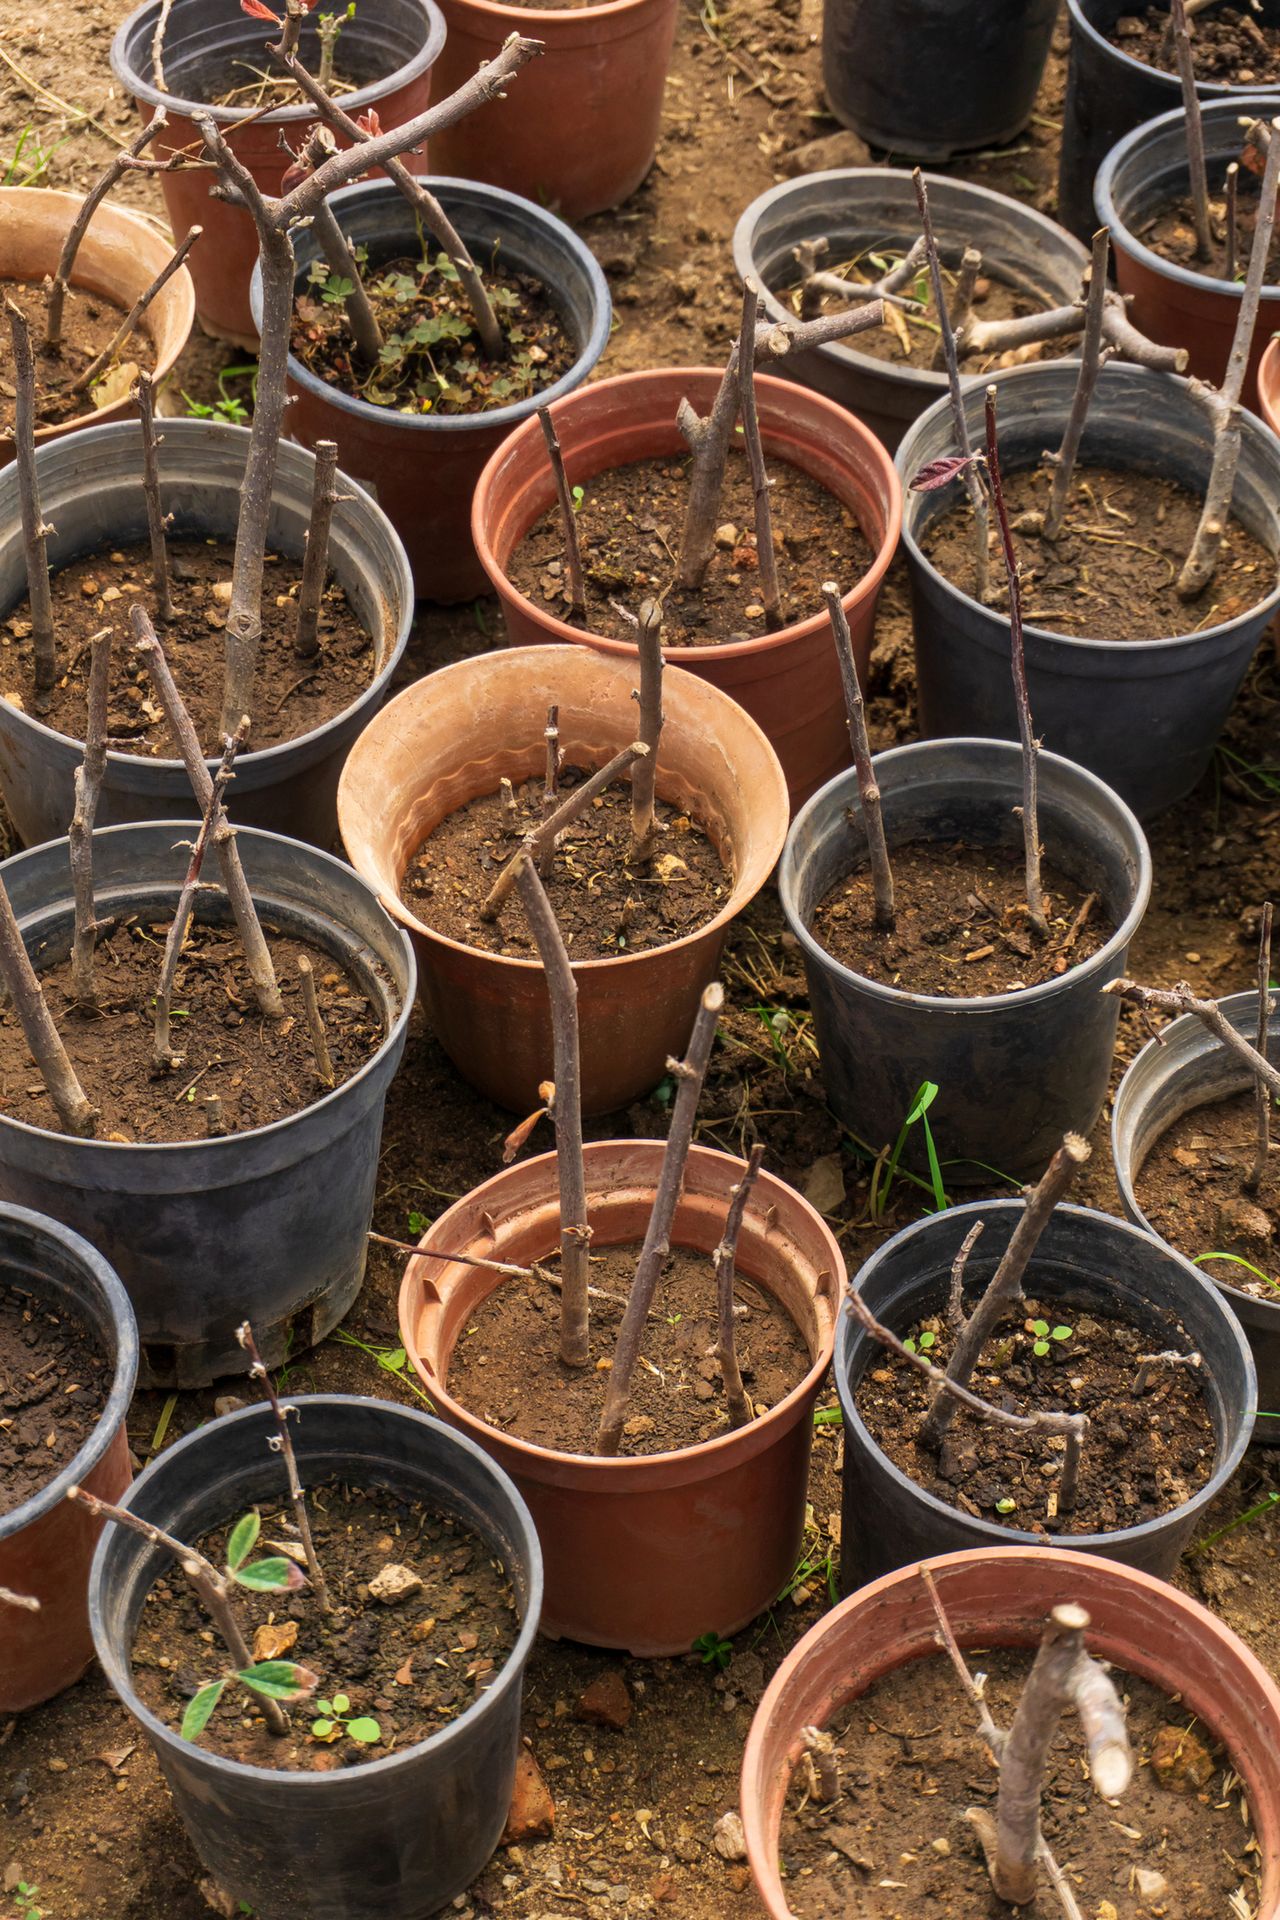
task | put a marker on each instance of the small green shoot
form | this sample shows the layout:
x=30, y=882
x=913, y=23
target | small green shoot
x=578, y=495
x=30, y=162
x=1236, y=1260
x=276, y=1574
x=392, y=1360
x=227, y=406
x=1044, y=1334
x=282, y=1680
x=922, y=1344
x=828, y=1417
x=714, y=1651
x=1241, y=1520
x=334, y=1722
x=24, y=1901
x=1006, y=1505
x=418, y=1223
x=917, y=1114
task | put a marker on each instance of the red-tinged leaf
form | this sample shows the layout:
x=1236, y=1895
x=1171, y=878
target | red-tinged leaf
x=256, y=11
x=369, y=123
x=294, y=177
x=1252, y=159
x=280, y=1679
x=940, y=473
x=518, y=1135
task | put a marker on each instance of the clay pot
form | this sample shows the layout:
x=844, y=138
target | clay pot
x=47, y=1544
x=645, y=1554
x=1002, y=1597
x=450, y=738
x=789, y=681
x=1269, y=384
x=119, y=257
x=577, y=133
x=388, y=51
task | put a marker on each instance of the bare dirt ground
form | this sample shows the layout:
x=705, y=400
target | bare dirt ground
x=83, y=1812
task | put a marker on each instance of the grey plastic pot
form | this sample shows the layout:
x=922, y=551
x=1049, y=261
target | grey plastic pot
x=1089, y=1262
x=857, y=208
x=91, y=492
x=46, y=1543
x=928, y=78
x=423, y=467
x=270, y=1223
x=1108, y=93
x=1015, y=1071
x=1142, y=714
x=1184, y=1069
x=395, y=1838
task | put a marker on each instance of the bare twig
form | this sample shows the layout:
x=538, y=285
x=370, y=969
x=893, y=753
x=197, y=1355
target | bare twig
x=547, y=832
x=1181, y=999
x=955, y=1296
x=859, y=740
x=1169, y=1358
x=725, y=1259
x=163, y=1055
x=96, y=368
x=341, y=261
x=315, y=561
x=34, y=530
x=157, y=519
x=822, y=1757
x=1231, y=221
x=1195, y=130
x=767, y=559
x=416, y=1252
x=1262, y=1099
x=315, y=1022
x=97, y=193
x=282, y=1443
x=644, y=773
x=1093, y=357
x=26, y=1601
x=88, y=785
x=960, y=307
x=42, y=1037
x=550, y=787
x=964, y=446
x=568, y=518
x=215, y=1125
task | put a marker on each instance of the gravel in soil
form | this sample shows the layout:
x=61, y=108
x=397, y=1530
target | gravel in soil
x=293, y=696
x=1112, y=572
x=54, y=1383
x=89, y=323
x=506, y=1367
x=897, y=1843
x=261, y=1070
x=1228, y=45
x=961, y=924
x=607, y=904
x=411, y=1648
x=629, y=528
x=1171, y=233
x=1141, y=1456
x=1191, y=1188
x=910, y=339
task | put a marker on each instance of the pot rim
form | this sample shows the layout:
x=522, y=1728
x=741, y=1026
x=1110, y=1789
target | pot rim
x=1268, y=399
x=223, y=1144
x=511, y=16
x=1230, y=1004
x=175, y=104
x=848, y=180
x=1208, y=90
x=119, y=1670
x=1129, y=649
x=1121, y=233
x=501, y=418
x=733, y=905
x=638, y=1466
x=112, y=1418
x=975, y=1003
x=840, y=425
x=1228, y=1457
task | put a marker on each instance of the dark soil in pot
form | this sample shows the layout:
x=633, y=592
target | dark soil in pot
x=293, y=696
x=961, y=924
x=89, y=325
x=1112, y=572
x=260, y=1069
x=1191, y=1191
x=1170, y=232
x=411, y=1665
x=605, y=904
x=911, y=339
x=895, y=1842
x=629, y=527
x=507, y=1370
x=1142, y=1455
x=1231, y=48
x=54, y=1382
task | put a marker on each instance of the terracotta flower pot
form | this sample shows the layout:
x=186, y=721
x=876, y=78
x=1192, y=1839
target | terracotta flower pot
x=452, y=737
x=1002, y=1597
x=1269, y=384
x=388, y=50
x=119, y=257
x=789, y=681
x=578, y=133
x=649, y=1553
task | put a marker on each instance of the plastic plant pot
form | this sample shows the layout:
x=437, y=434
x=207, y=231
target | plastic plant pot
x=1181, y=306
x=392, y=1839
x=91, y=491
x=271, y=1222
x=650, y=1552
x=388, y=50
x=1109, y=92
x=1015, y=1070
x=452, y=737
x=969, y=80
x=1084, y=1262
x=423, y=467
x=46, y=1544
x=857, y=208
x=1142, y=714
x=788, y=681
x=119, y=257
x=1184, y=1069
x=610, y=61
x=1269, y=384
x=1002, y=1597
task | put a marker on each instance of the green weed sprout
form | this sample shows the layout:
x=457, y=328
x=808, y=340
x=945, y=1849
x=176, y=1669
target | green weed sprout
x=917, y=1115
x=1044, y=1333
x=714, y=1651
x=281, y=1680
x=334, y=1722
x=922, y=1344
x=24, y=1901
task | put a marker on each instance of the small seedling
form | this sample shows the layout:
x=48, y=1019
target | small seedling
x=1006, y=1505
x=1044, y=1333
x=714, y=1651
x=334, y=1721
x=577, y=495
x=882, y=1184
x=1238, y=1261
x=24, y=1901
x=922, y=1343
x=281, y=1680
x=276, y=1574
x=228, y=406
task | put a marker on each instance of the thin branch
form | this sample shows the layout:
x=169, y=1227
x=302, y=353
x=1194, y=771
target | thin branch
x=97, y=193
x=550, y=787
x=766, y=557
x=860, y=741
x=1093, y=357
x=88, y=786
x=163, y=1057
x=1056, y=323
x=157, y=46
x=315, y=1022
x=315, y=561
x=1262, y=1099
x=960, y=307
x=1195, y=130
x=462, y=1259
x=955, y=1296
x=26, y=1601
x=157, y=519
x=1231, y=235
x=1181, y=999
x=34, y=530
x=53, y=1063
x=281, y=1443
x=644, y=774
x=1169, y=1358
x=546, y=833
x=725, y=1262
x=92, y=372
x=341, y=261
x=568, y=518
x=964, y=446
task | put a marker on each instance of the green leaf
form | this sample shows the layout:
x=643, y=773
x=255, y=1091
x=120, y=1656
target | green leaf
x=365, y=1731
x=1040, y=1328
x=325, y=1706
x=1005, y=1506
x=926, y=1094
x=244, y=1537
x=928, y=1339
x=1060, y=1333
x=200, y=1709
x=279, y=1679
x=275, y=1575
x=323, y=1728
x=340, y=1702
x=1040, y=1348
x=910, y=1344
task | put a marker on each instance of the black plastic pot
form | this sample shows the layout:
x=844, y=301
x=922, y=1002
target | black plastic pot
x=1184, y=1069
x=47, y=1544
x=857, y=208
x=928, y=78
x=91, y=492
x=270, y=1223
x=423, y=467
x=1108, y=93
x=1015, y=1071
x=1091, y=1263
x=1141, y=714
x=394, y=1839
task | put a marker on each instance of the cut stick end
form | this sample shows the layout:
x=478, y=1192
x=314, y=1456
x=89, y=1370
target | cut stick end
x=1076, y=1148
x=1112, y=1771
